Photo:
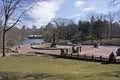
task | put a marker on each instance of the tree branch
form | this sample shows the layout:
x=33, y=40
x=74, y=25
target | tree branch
x=18, y=19
x=13, y=7
x=56, y=23
x=114, y=3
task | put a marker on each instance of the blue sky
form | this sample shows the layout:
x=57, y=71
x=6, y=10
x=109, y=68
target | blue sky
x=43, y=12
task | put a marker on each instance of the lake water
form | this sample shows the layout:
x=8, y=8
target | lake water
x=31, y=41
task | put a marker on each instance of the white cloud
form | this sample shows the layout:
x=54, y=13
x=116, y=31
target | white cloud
x=44, y=11
x=78, y=3
x=89, y=9
x=76, y=15
x=12, y=21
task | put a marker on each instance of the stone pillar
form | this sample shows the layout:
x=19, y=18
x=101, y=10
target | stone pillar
x=118, y=52
x=79, y=49
x=62, y=52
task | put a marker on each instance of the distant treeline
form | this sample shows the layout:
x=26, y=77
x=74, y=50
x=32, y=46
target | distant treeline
x=97, y=27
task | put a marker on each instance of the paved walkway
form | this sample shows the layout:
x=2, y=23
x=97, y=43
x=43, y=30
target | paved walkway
x=86, y=49
x=101, y=51
x=26, y=49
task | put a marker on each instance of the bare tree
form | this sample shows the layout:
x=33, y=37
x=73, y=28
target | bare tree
x=117, y=16
x=110, y=18
x=92, y=22
x=0, y=20
x=12, y=12
x=115, y=2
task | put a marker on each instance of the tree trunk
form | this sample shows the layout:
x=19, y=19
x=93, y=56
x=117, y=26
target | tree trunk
x=4, y=44
x=53, y=41
x=92, y=37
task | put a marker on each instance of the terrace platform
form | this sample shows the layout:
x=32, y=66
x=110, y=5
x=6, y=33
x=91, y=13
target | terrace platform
x=85, y=49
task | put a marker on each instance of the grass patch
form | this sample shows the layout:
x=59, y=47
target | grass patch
x=110, y=42
x=114, y=41
x=51, y=68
